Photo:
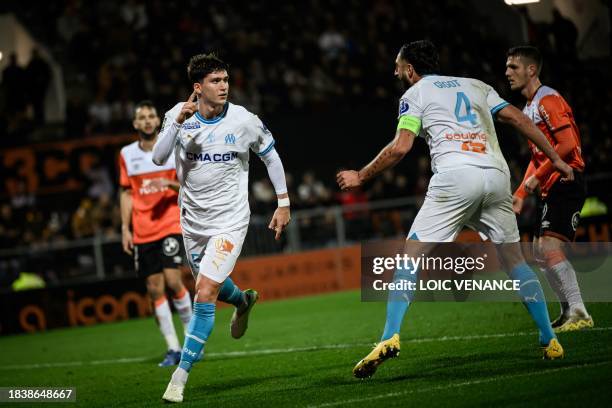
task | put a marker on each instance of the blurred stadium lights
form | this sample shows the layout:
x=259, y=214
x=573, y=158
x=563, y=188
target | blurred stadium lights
x=520, y=2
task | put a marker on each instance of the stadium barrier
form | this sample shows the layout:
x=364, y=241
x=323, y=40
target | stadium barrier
x=100, y=258
x=95, y=281
x=275, y=277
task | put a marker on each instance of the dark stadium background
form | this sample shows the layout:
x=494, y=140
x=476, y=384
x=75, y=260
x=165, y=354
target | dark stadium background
x=320, y=75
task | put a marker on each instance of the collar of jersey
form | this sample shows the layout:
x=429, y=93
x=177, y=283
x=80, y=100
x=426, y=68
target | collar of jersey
x=535, y=93
x=216, y=119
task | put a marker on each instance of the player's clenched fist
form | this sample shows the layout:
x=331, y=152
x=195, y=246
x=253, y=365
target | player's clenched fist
x=189, y=108
x=348, y=179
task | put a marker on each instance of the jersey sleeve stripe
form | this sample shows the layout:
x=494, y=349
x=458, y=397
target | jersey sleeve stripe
x=560, y=128
x=267, y=149
x=499, y=107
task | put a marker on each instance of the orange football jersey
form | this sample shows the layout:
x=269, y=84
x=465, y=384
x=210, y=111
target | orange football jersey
x=554, y=117
x=155, y=211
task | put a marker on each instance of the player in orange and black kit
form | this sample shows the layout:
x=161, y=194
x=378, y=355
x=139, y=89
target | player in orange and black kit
x=559, y=203
x=151, y=228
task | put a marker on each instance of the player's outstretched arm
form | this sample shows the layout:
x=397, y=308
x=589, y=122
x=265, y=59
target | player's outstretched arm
x=167, y=137
x=388, y=157
x=125, y=203
x=521, y=122
x=276, y=172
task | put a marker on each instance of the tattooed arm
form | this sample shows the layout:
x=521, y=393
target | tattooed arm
x=388, y=157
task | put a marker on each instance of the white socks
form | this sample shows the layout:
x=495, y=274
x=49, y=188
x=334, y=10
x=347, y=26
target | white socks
x=166, y=325
x=562, y=277
x=182, y=304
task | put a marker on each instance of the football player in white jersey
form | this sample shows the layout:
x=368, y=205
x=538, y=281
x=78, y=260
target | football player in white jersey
x=212, y=139
x=470, y=185
x=151, y=232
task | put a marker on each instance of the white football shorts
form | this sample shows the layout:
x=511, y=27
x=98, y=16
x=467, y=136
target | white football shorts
x=214, y=256
x=479, y=198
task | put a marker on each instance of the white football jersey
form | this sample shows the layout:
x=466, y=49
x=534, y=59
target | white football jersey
x=456, y=120
x=212, y=165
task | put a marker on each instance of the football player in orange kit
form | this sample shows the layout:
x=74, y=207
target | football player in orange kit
x=150, y=226
x=559, y=203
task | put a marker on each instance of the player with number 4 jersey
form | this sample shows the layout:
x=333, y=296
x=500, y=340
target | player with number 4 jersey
x=455, y=117
x=470, y=185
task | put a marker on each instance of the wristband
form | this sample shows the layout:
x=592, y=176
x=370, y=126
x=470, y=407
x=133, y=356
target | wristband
x=283, y=202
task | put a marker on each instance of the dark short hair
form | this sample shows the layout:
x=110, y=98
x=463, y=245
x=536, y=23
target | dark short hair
x=422, y=55
x=531, y=54
x=203, y=64
x=144, y=104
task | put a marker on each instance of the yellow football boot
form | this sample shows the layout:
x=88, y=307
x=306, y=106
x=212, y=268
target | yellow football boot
x=573, y=323
x=553, y=351
x=382, y=351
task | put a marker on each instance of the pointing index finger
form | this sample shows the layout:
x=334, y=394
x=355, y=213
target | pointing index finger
x=192, y=97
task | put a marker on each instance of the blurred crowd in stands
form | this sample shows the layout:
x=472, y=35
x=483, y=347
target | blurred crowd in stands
x=303, y=56
x=26, y=222
x=291, y=59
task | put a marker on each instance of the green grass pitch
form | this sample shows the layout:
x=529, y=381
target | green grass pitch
x=300, y=352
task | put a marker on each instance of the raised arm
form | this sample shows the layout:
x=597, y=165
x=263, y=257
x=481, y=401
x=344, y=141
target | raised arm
x=162, y=150
x=167, y=136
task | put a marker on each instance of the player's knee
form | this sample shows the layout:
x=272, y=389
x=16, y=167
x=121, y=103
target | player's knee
x=173, y=281
x=552, y=257
x=550, y=251
x=547, y=244
x=155, y=293
x=206, y=295
x=207, y=290
x=155, y=286
x=176, y=286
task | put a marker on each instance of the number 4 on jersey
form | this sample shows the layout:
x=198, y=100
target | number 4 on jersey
x=469, y=116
